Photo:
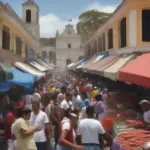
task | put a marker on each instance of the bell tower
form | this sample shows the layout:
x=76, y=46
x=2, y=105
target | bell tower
x=30, y=16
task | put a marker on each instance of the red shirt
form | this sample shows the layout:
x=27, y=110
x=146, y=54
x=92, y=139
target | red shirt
x=7, y=125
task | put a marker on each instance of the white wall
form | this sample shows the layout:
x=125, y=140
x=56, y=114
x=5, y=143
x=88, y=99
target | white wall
x=132, y=28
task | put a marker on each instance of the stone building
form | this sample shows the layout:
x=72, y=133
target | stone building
x=68, y=47
x=18, y=36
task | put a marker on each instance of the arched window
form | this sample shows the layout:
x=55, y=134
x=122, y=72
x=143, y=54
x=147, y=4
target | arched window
x=69, y=45
x=104, y=45
x=110, y=38
x=123, y=36
x=28, y=16
x=145, y=25
x=99, y=44
x=68, y=61
x=95, y=46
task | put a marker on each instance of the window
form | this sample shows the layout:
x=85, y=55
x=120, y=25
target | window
x=69, y=45
x=146, y=25
x=123, y=36
x=100, y=44
x=110, y=38
x=28, y=16
x=104, y=46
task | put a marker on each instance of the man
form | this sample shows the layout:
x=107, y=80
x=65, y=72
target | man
x=55, y=117
x=145, y=105
x=66, y=103
x=39, y=118
x=36, y=96
x=91, y=132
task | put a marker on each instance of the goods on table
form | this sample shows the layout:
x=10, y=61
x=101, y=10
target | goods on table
x=132, y=140
x=135, y=123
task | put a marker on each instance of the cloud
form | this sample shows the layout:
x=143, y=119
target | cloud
x=51, y=22
x=103, y=8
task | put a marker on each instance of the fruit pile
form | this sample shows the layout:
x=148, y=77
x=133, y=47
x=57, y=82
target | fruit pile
x=135, y=123
x=132, y=140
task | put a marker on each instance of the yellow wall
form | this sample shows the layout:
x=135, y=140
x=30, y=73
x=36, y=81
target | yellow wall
x=16, y=31
x=137, y=5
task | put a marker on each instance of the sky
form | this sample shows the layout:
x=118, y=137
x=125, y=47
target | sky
x=54, y=14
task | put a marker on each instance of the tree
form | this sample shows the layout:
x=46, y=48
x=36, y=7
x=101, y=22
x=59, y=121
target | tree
x=90, y=21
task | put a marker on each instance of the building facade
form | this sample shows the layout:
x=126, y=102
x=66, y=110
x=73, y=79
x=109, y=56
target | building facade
x=17, y=36
x=68, y=47
x=127, y=30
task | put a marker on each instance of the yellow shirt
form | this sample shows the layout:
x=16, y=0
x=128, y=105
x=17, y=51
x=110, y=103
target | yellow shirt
x=51, y=90
x=23, y=143
x=94, y=93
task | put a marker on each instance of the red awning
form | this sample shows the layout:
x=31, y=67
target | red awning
x=137, y=71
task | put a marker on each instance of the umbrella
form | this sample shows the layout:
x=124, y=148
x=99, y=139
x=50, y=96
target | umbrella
x=5, y=72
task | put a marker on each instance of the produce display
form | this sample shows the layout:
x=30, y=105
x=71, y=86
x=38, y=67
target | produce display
x=132, y=140
x=135, y=123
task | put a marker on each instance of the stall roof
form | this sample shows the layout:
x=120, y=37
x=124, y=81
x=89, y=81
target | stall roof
x=29, y=69
x=105, y=63
x=44, y=64
x=38, y=66
x=23, y=79
x=90, y=62
x=112, y=71
x=137, y=71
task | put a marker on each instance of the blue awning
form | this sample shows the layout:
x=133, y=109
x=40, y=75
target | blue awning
x=20, y=78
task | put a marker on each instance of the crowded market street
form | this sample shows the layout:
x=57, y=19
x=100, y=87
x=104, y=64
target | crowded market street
x=77, y=83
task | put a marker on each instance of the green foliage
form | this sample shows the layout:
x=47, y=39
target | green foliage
x=90, y=21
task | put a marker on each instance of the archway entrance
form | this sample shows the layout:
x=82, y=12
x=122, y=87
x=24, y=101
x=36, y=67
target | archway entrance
x=68, y=61
x=18, y=46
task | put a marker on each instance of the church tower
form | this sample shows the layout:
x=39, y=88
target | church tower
x=30, y=16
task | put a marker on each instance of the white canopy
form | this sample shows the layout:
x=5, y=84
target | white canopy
x=29, y=69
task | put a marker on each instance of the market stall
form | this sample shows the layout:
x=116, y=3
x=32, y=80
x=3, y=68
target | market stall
x=20, y=78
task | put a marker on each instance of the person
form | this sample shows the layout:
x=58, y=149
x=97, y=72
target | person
x=90, y=132
x=85, y=99
x=36, y=96
x=55, y=117
x=146, y=146
x=145, y=105
x=66, y=103
x=51, y=89
x=94, y=93
x=28, y=101
x=76, y=100
x=66, y=132
x=22, y=132
x=99, y=107
x=40, y=118
x=8, y=121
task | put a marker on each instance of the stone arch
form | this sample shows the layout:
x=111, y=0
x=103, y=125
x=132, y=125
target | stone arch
x=68, y=61
x=44, y=54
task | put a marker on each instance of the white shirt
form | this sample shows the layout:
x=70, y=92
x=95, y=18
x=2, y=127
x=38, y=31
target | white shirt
x=36, y=97
x=89, y=130
x=66, y=124
x=65, y=104
x=39, y=120
x=147, y=116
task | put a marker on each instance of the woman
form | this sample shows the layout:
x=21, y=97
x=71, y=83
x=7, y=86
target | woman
x=66, y=138
x=24, y=135
x=99, y=107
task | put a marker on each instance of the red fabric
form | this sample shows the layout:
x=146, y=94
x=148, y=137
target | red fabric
x=69, y=136
x=41, y=93
x=7, y=125
x=137, y=71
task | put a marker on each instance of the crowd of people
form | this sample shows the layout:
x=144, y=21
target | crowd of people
x=63, y=117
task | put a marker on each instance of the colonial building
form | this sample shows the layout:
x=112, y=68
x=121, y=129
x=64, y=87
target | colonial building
x=68, y=47
x=127, y=30
x=17, y=35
